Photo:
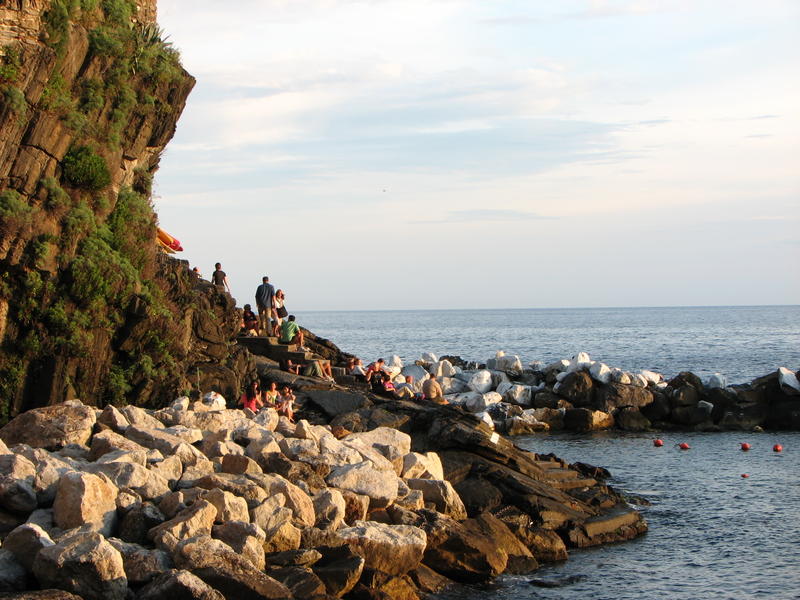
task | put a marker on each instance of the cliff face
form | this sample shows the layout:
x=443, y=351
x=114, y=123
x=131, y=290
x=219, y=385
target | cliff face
x=89, y=96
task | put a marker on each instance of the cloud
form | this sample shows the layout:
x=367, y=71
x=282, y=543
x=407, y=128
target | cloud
x=483, y=215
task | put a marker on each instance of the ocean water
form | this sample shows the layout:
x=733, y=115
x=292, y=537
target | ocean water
x=713, y=534
x=741, y=342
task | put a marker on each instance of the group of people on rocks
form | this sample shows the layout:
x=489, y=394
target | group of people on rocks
x=254, y=399
x=380, y=380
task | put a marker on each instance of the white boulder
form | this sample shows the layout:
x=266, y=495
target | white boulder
x=481, y=381
x=429, y=357
x=717, y=380
x=600, y=372
x=788, y=381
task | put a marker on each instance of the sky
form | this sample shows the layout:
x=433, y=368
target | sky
x=429, y=154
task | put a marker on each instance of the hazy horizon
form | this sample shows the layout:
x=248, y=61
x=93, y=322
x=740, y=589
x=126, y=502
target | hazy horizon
x=412, y=154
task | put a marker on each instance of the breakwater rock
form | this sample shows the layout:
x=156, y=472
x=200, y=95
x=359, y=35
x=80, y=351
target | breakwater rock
x=584, y=395
x=365, y=498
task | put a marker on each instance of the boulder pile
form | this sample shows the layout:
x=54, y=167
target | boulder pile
x=197, y=500
x=584, y=395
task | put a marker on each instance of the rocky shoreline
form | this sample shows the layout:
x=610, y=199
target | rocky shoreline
x=366, y=497
x=582, y=395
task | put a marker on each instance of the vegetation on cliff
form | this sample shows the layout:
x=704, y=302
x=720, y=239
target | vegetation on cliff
x=87, y=306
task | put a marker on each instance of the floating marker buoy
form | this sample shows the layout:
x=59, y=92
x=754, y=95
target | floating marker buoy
x=777, y=448
x=745, y=475
x=745, y=446
x=683, y=446
x=658, y=443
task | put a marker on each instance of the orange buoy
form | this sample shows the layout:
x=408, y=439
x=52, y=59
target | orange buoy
x=745, y=475
x=745, y=446
x=658, y=443
x=684, y=446
x=777, y=448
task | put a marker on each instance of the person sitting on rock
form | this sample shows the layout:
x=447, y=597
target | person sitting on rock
x=271, y=395
x=286, y=403
x=431, y=390
x=405, y=389
x=320, y=369
x=250, y=321
x=251, y=398
x=288, y=365
x=373, y=368
x=357, y=369
x=292, y=334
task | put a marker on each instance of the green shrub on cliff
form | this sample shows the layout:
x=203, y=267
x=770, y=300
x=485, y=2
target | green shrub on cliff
x=13, y=209
x=131, y=223
x=55, y=197
x=11, y=65
x=56, y=96
x=14, y=99
x=92, y=95
x=119, y=12
x=84, y=168
x=56, y=25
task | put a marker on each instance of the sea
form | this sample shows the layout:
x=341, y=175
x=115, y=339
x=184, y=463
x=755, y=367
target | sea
x=713, y=534
x=741, y=342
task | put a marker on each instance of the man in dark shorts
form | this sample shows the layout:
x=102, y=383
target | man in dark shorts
x=219, y=279
x=265, y=301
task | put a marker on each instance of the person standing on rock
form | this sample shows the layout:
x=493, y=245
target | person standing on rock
x=219, y=279
x=433, y=391
x=265, y=302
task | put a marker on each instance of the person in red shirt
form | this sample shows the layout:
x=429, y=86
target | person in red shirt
x=252, y=397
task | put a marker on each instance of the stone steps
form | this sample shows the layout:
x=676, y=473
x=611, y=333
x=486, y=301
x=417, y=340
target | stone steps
x=569, y=484
x=609, y=523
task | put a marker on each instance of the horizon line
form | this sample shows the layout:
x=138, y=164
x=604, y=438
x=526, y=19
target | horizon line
x=354, y=310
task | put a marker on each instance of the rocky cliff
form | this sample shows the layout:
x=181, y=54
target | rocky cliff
x=90, y=92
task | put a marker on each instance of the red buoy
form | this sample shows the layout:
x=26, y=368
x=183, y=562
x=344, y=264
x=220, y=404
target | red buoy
x=745, y=475
x=658, y=443
x=777, y=448
x=683, y=446
x=745, y=446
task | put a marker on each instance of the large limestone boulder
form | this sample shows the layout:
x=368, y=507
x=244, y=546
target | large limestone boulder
x=442, y=368
x=13, y=575
x=226, y=571
x=441, y=493
x=229, y=507
x=330, y=509
x=787, y=380
x=452, y=385
x=600, y=372
x=197, y=520
x=576, y=387
x=17, y=495
x=85, y=499
x=339, y=568
x=508, y=363
x=618, y=395
x=146, y=483
x=178, y=585
x=630, y=419
x=583, y=420
x=422, y=466
x=25, y=541
x=363, y=478
x=392, y=549
x=85, y=564
x=295, y=498
x=140, y=417
x=480, y=403
x=51, y=427
x=141, y=564
x=105, y=442
x=247, y=539
x=382, y=437
x=480, y=381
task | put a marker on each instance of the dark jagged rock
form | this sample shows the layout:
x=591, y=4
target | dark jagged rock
x=630, y=418
x=337, y=402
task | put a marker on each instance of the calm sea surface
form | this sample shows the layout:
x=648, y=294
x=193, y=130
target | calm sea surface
x=742, y=342
x=713, y=534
